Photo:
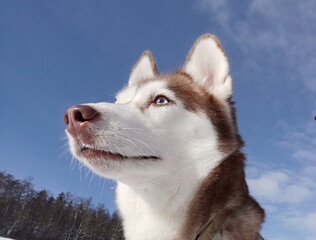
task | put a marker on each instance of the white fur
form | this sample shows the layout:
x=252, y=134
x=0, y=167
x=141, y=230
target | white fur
x=143, y=69
x=209, y=67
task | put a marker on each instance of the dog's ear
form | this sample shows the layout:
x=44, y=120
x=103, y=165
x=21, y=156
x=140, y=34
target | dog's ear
x=208, y=65
x=144, y=68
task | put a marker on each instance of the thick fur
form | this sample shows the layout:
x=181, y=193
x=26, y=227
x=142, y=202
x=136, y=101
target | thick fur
x=176, y=151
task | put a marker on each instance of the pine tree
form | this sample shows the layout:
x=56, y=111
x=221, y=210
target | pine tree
x=28, y=214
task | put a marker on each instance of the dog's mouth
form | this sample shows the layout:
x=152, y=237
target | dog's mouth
x=92, y=153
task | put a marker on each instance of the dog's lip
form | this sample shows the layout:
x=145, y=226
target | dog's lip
x=96, y=153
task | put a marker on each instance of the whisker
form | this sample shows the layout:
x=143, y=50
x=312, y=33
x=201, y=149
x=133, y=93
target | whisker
x=131, y=142
x=91, y=178
x=102, y=189
x=65, y=153
x=146, y=145
x=72, y=164
x=80, y=169
x=142, y=131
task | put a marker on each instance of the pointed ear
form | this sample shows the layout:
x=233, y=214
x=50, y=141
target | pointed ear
x=144, y=68
x=208, y=66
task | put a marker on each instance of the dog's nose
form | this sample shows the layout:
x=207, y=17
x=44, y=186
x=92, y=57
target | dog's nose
x=77, y=117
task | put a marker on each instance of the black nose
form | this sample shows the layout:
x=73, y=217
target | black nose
x=77, y=117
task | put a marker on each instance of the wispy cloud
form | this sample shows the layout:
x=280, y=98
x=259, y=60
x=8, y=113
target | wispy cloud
x=277, y=29
x=305, y=222
x=301, y=142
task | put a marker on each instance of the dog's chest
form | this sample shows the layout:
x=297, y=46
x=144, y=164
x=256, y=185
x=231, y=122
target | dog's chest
x=142, y=222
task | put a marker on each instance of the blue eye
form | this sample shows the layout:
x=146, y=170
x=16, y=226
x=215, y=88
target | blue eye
x=161, y=100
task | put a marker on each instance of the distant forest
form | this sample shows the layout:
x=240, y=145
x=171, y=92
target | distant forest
x=26, y=214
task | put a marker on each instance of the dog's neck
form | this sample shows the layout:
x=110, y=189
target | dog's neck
x=156, y=208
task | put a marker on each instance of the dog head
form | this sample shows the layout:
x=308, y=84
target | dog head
x=161, y=124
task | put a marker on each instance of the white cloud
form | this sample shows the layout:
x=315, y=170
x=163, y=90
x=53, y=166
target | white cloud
x=301, y=141
x=280, y=187
x=305, y=222
x=305, y=154
x=220, y=7
x=309, y=171
x=288, y=199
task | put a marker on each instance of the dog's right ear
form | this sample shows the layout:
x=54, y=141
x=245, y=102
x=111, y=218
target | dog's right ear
x=144, y=68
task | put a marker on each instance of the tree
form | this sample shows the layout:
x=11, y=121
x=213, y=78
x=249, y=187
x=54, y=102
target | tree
x=29, y=214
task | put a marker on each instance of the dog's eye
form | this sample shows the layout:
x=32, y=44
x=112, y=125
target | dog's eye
x=161, y=100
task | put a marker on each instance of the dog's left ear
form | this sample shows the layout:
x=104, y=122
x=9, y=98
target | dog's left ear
x=144, y=68
x=208, y=66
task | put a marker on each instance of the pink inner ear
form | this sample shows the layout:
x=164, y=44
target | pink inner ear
x=209, y=81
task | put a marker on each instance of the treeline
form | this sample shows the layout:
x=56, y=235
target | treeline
x=27, y=214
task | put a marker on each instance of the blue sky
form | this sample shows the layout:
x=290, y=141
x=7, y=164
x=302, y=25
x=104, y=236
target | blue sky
x=55, y=54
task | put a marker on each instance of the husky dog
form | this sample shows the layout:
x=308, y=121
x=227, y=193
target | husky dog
x=171, y=142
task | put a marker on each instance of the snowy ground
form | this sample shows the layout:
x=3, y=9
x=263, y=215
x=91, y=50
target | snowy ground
x=3, y=238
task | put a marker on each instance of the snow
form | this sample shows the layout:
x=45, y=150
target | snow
x=3, y=238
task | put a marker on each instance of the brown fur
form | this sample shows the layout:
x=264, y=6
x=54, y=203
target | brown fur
x=196, y=99
x=225, y=190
